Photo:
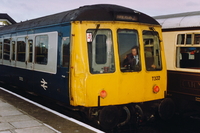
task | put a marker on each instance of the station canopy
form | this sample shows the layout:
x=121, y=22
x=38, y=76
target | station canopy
x=180, y=20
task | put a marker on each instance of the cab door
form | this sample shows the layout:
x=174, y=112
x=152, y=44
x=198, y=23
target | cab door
x=155, y=72
x=62, y=79
x=63, y=70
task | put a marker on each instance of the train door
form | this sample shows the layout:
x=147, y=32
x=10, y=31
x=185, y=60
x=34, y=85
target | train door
x=41, y=57
x=153, y=64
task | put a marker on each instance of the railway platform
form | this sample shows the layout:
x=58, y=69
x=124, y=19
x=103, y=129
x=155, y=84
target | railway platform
x=20, y=116
x=13, y=120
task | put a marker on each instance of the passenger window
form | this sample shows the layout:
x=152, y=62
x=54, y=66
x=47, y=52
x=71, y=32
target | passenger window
x=21, y=49
x=30, y=45
x=188, y=57
x=129, y=54
x=0, y=49
x=152, y=50
x=41, y=49
x=6, y=53
x=65, y=52
x=13, y=50
x=100, y=51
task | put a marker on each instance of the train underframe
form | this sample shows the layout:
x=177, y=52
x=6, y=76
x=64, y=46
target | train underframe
x=186, y=105
x=134, y=114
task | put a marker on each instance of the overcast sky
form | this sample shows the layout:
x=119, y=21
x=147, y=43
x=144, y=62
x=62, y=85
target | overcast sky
x=21, y=10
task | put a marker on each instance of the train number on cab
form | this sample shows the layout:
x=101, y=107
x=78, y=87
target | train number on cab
x=154, y=78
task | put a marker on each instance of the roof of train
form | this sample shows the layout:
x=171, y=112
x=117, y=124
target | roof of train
x=100, y=12
x=6, y=16
x=179, y=20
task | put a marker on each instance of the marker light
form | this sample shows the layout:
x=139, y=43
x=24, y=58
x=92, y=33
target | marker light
x=156, y=89
x=103, y=94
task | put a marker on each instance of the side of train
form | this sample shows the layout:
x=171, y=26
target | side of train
x=181, y=35
x=75, y=57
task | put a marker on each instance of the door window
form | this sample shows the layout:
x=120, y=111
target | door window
x=65, y=52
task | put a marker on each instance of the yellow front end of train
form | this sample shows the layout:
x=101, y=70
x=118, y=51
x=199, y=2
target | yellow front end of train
x=98, y=75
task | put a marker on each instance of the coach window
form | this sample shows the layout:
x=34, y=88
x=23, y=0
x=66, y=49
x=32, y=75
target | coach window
x=196, y=38
x=181, y=39
x=188, y=52
x=21, y=49
x=184, y=39
x=152, y=50
x=41, y=49
x=6, y=49
x=127, y=45
x=189, y=39
x=30, y=45
x=13, y=50
x=65, y=52
x=100, y=51
x=0, y=48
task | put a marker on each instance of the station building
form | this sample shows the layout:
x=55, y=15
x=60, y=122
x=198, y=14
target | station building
x=5, y=19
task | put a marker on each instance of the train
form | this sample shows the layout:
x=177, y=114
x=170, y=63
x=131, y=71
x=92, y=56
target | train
x=83, y=59
x=181, y=36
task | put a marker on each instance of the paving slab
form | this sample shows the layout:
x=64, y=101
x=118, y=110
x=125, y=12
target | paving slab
x=14, y=118
x=41, y=129
x=5, y=132
x=25, y=124
x=5, y=126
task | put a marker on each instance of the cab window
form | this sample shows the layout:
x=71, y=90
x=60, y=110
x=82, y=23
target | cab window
x=152, y=50
x=100, y=51
x=129, y=54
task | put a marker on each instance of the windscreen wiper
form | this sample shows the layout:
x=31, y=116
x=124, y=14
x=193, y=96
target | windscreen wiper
x=95, y=32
